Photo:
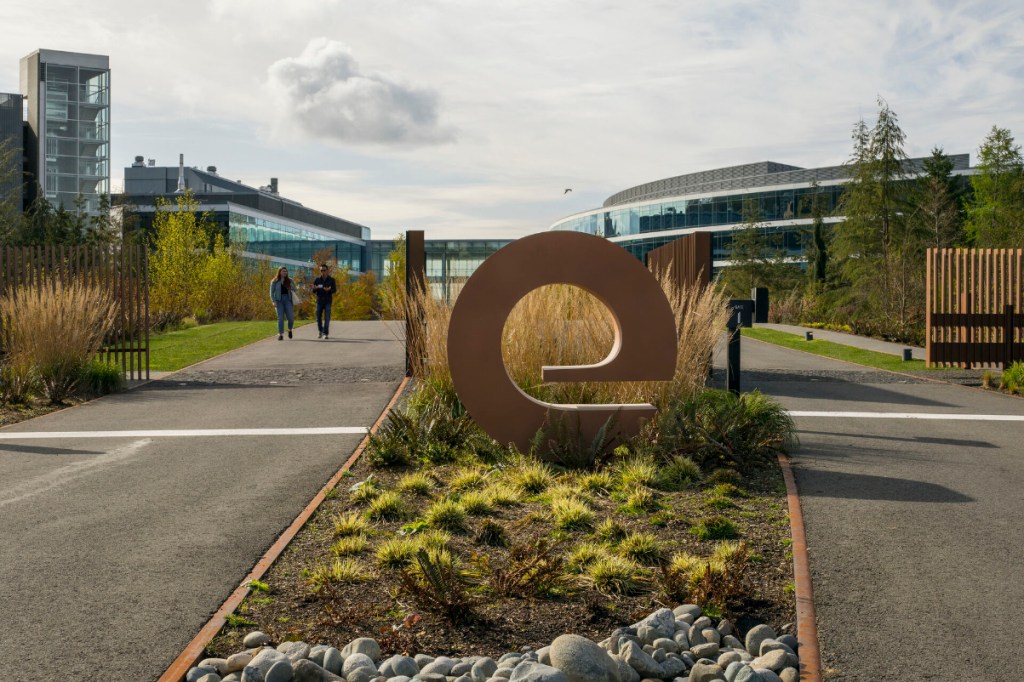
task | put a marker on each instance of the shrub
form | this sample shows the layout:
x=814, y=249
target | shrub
x=364, y=491
x=715, y=528
x=724, y=475
x=436, y=583
x=434, y=539
x=1012, y=379
x=446, y=514
x=416, y=483
x=101, y=378
x=17, y=383
x=713, y=581
x=338, y=572
x=679, y=473
x=429, y=430
x=641, y=548
x=388, y=506
x=532, y=568
x=491, y=533
x=717, y=427
x=610, y=531
x=55, y=329
x=726, y=490
x=560, y=440
x=347, y=525
x=476, y=503
x=719, y=502
x=396, y=552
x=613, y=575
x=354, y=544
x=568, y=491
x=571, y=514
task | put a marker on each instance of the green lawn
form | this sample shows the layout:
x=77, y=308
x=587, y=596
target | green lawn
x=830, y=349
x=173, y=350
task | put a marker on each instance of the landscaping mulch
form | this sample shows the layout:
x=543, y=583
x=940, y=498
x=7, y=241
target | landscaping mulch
x=13, y=414
x=293, y=609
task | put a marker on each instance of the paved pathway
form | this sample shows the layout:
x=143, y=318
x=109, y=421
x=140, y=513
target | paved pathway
x=849, y=340
x=115, y=550
x=915, y=528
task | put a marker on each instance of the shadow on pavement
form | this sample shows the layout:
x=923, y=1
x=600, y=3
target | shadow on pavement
x=959, y=442
x=42, y=450
x=840, y=485
x=836, y=389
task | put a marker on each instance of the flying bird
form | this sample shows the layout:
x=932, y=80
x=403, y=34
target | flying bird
x=567, y=190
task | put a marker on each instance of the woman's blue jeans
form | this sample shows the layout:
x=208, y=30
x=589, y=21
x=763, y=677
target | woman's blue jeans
x=285, y=309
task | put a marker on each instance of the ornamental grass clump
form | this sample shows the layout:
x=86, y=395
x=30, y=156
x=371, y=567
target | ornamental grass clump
x=347, y=525
x=502, y=495
x=416, y=483
x=678, y=473
x=388, y=506
x=1012, y=379
x=610, y=531
x=715, y=528
x=338, y=572
x=397, y=552
x=598, y=482
x=446, y=514
x=531, y=476
x=584, y=554
x=476, y=503
x=613, y=575
x=571, y=514
x=55, y=329
x=640, y=547
x=354, y=544
x=364, y=491
x=637, y=472
x=640, y=501
x=469, y=478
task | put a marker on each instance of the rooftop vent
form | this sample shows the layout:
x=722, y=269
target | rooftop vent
x=139, y=162
x=151, y=163
x=211, y=169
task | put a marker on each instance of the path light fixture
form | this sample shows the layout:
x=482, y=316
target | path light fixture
x=809, y=336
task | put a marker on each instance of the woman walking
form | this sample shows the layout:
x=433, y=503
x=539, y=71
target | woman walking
x=281, y=288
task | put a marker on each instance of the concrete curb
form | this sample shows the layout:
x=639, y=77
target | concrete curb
x=806, y=620
x=194, y=650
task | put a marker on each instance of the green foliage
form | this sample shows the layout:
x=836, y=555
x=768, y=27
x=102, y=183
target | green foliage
x=640, y=501
x=436, y=583
x=468, y=478
x=560, y=440
x=100, y=377
x=476, y=503
x=718, y=427
x=713, y=582
x=388, y=506
x=584, y=554
x=637, y=471
x=759, y=257
x=258, y=586
x=364, y=491
x=530, y=475
x=233, y=620
x=995, y=215
x=678, y=473
x=392, y=287
x=502, y=495
x=18, y=381
x=338, y=572
x=397, y=552
x=354, y=544
x=613, y=575
x=571, y=514
x=715, y=528
x=431, y=430
x=610, y=531
x=491, y=533
x=180, y=232
x=446, y=514
x=641, y=547
x=532, y=568
x=1012, y=379
x=416, y=483
x=597, y=481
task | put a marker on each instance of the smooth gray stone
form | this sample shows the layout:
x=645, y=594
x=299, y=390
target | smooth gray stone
x=705, y=672
x=461, y=668
x=774, y=645
x=789, y=675
x=669, y=645
x=503, y=673
x=399, y=665
x=463, y=678
x=724, y=627
x=728, y=658
x=529, y=671
x=790, y=641
x=362, y=645
x=674, y=667
x=317, y=654
x=483, y=669
x=704, y=622
x=255, y=639
x=422, y=659
x=299, y=651
x=767, y=675
x=687, y=609
x=733, y=643
x=682, y=639
x=400, y=678
x=530, y=656
x=731, y=670
x=237, y=662
x=695, y=636
x=198, y=671
x=306, y=671
x=709, y=650
x=431, y=677
x=582, y=660
x=333, y=661
x=361, y=674
x=259, y=667
x=774, y=661
x=711, y=635
x=662, y=619
x=649, y=634
x=232, y=677
x=684, y=621
x=507, y=657
x=758, y=634
x=356, y=661
x=219, y=664
x=626, y=672
x=210, y=677
x=659, y=655
x=748, y=674
x=281, y=671
x=544, y=654
x=641, y=661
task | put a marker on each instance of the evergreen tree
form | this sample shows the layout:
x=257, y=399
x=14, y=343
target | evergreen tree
x=937, y=208
x=758, y=258
x=995, y=216
x=815, y=242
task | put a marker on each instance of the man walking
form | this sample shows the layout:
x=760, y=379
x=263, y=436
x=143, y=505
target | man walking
x=324, y=287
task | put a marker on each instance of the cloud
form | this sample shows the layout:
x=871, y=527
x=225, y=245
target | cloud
x=325, y=94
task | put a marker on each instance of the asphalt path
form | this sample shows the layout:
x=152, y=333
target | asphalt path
x=915, y=529
x=114, y=551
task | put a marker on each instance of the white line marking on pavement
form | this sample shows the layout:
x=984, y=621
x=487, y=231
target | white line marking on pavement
x=181, y=433
x=911, y=415
x=67, y=474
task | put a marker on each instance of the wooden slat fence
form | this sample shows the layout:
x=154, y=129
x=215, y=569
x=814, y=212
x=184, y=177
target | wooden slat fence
x=120, y=270
x=687, y=260
x=974, y=314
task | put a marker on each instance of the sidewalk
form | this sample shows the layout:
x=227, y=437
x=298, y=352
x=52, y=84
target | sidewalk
x=848, y=339
x=118, y=547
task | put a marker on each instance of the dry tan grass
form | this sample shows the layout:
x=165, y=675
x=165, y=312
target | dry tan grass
x=55, y=329
x=565, y=325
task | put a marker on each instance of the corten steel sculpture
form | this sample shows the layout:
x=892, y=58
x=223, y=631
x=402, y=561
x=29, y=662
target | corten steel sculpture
x=644, y=347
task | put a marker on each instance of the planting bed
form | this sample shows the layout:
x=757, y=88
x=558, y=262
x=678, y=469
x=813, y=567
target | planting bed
x=299, y=600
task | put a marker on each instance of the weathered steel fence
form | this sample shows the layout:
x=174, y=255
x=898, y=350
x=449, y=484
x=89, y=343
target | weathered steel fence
x=119, y=270
x=686, y=261
x=973, y=307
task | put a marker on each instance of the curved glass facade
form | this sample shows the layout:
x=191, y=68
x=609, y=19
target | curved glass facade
x=675, y=214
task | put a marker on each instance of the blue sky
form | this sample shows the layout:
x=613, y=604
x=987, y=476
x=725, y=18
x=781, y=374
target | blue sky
x=469, y=118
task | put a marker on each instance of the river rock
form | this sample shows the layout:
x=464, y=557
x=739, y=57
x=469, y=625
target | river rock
x=461, y=668
x=362, y=645
x=281, y=671
x=682, y=639
x=662, y=620
x=582, y=660
x=219, y=664
x=232, y=677
x=789, y=675
x=774, y=645
x=198, y=671
x=422, y=660
x=626, y=672
x=691, y=610
x=544, y=654
x=399, y=665
x=727, y=658
x=709, y=650
x=790, y=641
x=641, y=661
x=767, y=675
x=333, y=661
x=529, y=671
x=483, y=669
x=705, y=672
x=774, y=661
x=356, y=661
x=237, y=662
x=674, y=667
x=255, y=639
x=756, y=635
x=210, y=677
x=259, y=667
x=724, y=627
x=306, y=671
x=748, y=674
x=732, y=643
x=669, y=645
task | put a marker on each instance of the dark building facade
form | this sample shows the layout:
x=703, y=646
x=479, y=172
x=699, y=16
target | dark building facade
x=12, y=151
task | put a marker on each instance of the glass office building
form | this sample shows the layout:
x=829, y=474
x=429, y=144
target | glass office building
x=450, y=262
x=68, y=144
x=12, y=149
x=653, y=214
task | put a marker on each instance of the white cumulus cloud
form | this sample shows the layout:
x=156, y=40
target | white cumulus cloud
x=324, y=93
